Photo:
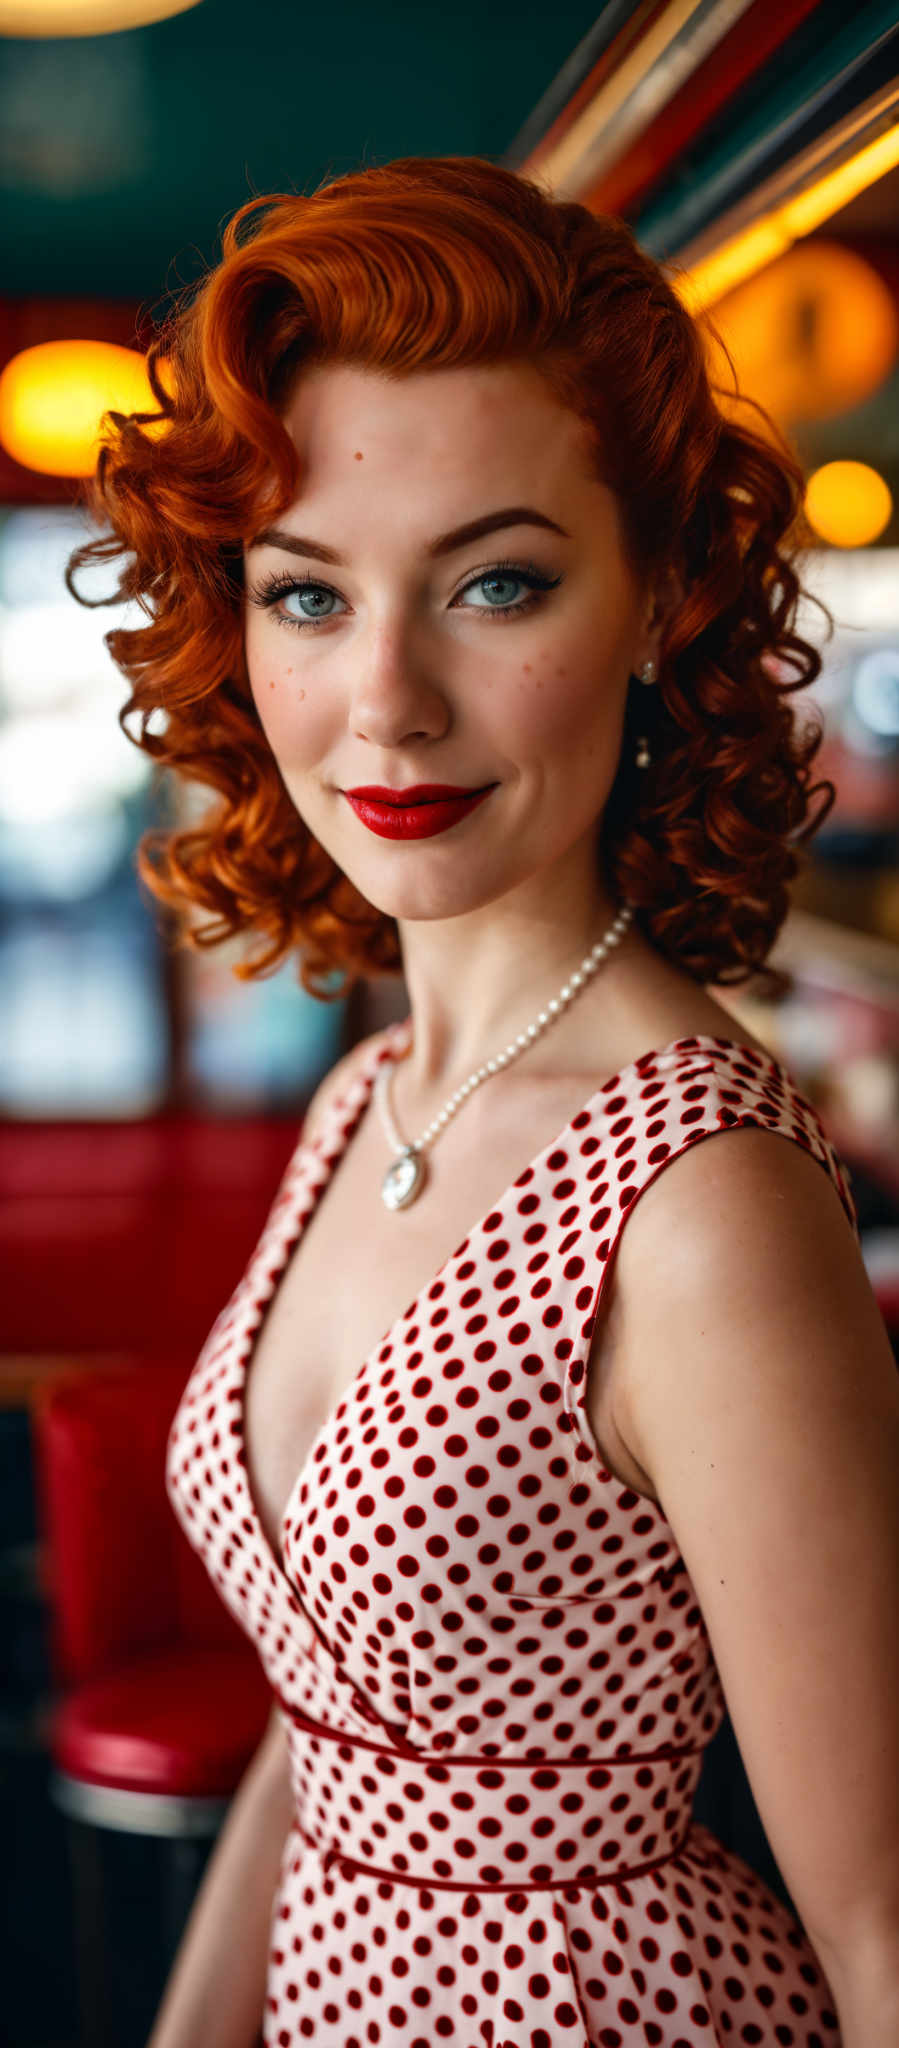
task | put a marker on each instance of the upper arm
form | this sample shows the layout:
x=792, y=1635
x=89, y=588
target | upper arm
x=762, y=1398
x=270, y=1766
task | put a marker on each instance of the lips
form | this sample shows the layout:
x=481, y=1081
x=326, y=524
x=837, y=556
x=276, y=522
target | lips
x=421, y=818
x=417, y=793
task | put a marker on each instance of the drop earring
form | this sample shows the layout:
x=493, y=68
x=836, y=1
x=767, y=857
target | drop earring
x=643, y=757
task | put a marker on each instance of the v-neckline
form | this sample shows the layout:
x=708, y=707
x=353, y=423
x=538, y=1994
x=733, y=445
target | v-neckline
x=329, y=1158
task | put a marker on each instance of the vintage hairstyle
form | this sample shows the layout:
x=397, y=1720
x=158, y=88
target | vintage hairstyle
x=431, y=263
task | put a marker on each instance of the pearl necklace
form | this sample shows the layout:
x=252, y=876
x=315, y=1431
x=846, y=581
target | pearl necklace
x=405, y=1179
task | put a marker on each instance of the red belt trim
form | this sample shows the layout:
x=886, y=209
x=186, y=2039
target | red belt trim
x=349, y=1867
x=408, y=1752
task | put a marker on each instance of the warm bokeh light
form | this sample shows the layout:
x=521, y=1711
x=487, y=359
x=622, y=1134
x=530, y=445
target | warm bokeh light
x=83, y=17
x=811, y=336
x=743, y=254
x=848, y=504
x=53, y=397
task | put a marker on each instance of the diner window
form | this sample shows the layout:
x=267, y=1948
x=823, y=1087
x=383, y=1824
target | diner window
x=99, y=1015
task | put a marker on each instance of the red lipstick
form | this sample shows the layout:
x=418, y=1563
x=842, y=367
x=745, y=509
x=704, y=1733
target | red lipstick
x=418, y=812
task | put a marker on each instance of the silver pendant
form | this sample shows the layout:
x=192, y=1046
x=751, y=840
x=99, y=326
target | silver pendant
x=404, y=1179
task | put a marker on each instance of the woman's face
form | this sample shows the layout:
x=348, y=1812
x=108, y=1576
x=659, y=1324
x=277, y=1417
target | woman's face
x=499, y=658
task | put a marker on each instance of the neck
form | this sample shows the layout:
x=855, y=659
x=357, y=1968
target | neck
x=468, y=1003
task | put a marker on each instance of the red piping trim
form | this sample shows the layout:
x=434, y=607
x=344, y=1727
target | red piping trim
x=410, y=1754
x=349, y=1867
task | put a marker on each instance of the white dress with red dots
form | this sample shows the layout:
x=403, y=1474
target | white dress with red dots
x=492, y=1667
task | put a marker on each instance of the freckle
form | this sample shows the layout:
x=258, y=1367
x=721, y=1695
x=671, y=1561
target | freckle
x=301, y=694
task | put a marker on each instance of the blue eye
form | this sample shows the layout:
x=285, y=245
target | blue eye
x=509, y=572
x=281, y=585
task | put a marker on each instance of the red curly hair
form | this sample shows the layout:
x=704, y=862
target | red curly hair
x=429, y=263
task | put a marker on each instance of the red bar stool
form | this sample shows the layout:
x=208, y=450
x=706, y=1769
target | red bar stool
x=161, y=1699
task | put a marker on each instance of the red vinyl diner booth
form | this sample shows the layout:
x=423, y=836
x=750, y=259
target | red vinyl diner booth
x=119, y=1245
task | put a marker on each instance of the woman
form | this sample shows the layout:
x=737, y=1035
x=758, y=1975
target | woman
x=441, y=499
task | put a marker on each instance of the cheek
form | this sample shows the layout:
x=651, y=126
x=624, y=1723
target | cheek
x=568, y=702
x=292, y=717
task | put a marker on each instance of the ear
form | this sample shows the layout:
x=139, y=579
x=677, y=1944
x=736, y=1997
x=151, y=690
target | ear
x=668, y=592
x=665, y=594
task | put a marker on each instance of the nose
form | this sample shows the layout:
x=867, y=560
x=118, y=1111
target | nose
x=395, y=696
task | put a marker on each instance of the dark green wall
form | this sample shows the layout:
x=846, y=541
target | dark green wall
x=122, y=156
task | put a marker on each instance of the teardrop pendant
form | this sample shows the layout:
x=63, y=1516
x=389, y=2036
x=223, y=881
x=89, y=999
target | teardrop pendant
x=404, y=1179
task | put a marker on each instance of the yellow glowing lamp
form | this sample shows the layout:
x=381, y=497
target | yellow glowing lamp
x=787, y=221
x=83, y=17
x=53, y=397
x=813, y=334
x=848, y=504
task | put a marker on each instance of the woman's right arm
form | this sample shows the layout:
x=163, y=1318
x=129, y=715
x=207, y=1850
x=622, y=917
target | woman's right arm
x=216, y=1988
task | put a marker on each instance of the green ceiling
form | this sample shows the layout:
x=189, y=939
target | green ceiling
x=122, y=156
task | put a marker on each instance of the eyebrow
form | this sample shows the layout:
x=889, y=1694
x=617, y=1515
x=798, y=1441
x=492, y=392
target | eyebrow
x=445, y=544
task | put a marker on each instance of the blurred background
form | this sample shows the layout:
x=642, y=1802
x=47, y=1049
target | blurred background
x=149, y=1100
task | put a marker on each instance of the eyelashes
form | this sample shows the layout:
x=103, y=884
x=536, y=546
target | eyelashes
x=282, y=584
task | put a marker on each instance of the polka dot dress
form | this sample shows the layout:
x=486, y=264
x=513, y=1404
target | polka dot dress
x=492, y=1667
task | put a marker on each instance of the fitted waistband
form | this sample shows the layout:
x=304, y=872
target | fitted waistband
x=350, y=1867
x=486, y=1823
x=411, y=1753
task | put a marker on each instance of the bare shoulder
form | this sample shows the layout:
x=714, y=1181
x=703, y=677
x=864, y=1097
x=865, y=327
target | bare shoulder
x=676, y=1011
x=752, y=1259
x=337, y=1079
